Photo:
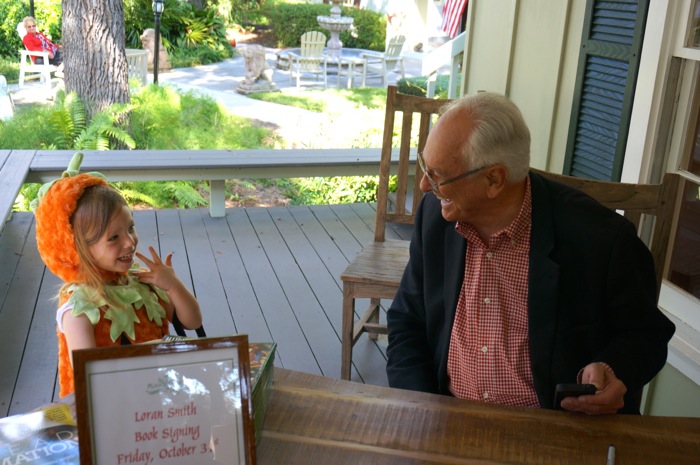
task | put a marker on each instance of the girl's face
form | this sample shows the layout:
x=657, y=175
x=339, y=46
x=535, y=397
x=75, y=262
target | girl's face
x=114, y=250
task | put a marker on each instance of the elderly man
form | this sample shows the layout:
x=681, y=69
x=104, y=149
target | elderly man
x=516, y=283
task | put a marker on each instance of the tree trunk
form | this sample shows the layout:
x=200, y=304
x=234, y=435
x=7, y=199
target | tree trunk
x=94, y=55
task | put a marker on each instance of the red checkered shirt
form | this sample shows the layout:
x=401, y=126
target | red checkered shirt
x=489, y=356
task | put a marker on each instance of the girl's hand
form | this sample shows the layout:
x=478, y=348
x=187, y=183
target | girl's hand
x=158, y=273
x=181, y=299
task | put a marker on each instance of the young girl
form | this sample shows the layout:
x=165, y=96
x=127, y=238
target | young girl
x=87, y=237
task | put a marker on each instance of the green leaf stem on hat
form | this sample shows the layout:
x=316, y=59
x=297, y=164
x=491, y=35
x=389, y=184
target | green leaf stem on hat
x=72, y=170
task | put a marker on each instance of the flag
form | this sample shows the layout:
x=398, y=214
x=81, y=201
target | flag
x=452, y=12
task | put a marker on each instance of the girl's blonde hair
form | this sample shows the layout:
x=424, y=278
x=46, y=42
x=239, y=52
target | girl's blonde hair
x=89, y=221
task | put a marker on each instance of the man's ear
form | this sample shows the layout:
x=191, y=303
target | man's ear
x=496, y=178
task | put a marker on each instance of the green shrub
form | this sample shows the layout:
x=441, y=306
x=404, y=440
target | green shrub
x=162, y=118
x=28, y=128
x=419, y=85
x=169, y=194
x=9, y=68
x=203, y=55
x=75, y=132
x=181, y=25
x=324, y=191
x=289, y=21
x=369, y=30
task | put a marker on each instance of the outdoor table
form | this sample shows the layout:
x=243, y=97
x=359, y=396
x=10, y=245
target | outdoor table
x=312, y=419
x=346, y=67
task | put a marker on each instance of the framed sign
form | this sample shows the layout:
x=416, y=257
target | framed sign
x=176, y=403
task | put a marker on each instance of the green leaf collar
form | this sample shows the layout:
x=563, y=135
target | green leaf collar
x=122, y=301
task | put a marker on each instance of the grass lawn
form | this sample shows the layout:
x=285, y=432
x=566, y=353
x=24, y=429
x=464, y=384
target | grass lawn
x=355, y=116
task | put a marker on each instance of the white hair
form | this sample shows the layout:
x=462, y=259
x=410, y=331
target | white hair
x=500, y=134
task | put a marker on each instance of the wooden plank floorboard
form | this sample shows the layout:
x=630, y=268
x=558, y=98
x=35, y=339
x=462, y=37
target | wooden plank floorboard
x=12, y=243
x=293, y=350
x=325, y=277
x=16, y=318
x=147, y=230
x=37, y=379
x=171, y=241
x=206, y=280
x=361, y=227
x=297, y=267
x=247, y=314
x=339, y=231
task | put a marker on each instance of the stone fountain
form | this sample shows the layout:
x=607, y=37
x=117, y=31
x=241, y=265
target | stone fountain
x=335, y=23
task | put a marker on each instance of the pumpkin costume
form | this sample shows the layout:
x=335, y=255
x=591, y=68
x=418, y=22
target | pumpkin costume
x=135, y=312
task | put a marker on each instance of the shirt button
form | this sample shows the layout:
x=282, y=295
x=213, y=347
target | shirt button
x=484, y=349
x=485, y=395
x=489, y=255
x=487, y=300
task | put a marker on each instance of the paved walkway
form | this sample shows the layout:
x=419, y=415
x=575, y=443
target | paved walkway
x=219, y=81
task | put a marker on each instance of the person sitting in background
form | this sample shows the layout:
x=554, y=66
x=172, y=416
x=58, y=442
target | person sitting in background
x=516, y=283
x=35, y=41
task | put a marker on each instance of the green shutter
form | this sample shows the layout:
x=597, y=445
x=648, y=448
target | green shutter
x=607, y=74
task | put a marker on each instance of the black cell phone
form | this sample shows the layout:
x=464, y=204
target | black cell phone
x=571, y=390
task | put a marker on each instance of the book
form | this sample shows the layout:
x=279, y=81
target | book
x=262, y=358
x=48, y=435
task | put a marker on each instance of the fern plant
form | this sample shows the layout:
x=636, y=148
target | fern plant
x=100, y=133
x=181, y=194
x=68, y=118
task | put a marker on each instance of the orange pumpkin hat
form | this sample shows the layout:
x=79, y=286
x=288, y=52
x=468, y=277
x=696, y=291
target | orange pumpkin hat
x=53, y=210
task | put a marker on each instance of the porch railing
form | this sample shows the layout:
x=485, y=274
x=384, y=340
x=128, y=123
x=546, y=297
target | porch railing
x=447, y=53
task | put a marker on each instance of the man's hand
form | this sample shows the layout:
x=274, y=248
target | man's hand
x=607, y=400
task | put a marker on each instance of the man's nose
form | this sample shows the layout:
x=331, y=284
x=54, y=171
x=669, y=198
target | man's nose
x=425, y=184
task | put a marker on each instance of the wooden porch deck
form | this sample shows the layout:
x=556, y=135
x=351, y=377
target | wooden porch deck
x=272, y=273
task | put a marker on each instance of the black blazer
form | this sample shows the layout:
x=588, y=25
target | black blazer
x=592, y=297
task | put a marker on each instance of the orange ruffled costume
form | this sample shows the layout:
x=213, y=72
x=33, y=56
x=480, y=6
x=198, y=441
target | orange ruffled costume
x=53, y=210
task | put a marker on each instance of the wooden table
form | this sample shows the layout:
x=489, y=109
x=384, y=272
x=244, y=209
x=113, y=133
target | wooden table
x=319, y=421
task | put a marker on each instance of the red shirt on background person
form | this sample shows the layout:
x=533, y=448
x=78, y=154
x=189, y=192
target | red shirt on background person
x=35, y=41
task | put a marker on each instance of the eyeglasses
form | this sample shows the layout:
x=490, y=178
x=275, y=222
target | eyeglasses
x=436, y=185
x=32, y=25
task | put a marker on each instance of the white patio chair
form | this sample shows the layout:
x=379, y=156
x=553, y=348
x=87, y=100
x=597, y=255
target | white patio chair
x=29, y=70
x=311, y=59
x=137, y=63
x=379, y=64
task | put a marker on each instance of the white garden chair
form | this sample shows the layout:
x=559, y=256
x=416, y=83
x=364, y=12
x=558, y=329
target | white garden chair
x=310, y=59
x=379, y=64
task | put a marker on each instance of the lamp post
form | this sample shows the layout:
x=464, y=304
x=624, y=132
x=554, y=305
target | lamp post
x=158, y=6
